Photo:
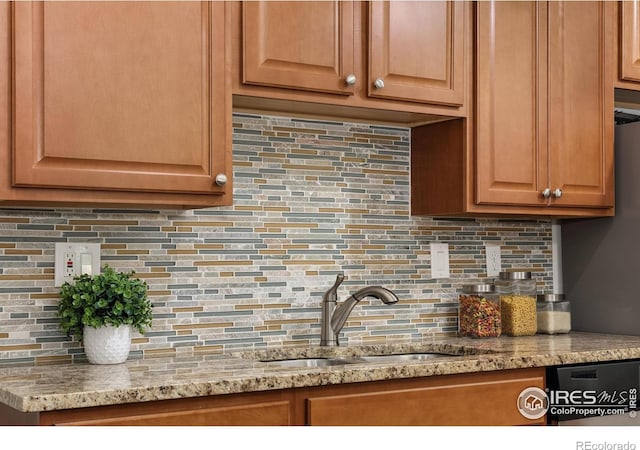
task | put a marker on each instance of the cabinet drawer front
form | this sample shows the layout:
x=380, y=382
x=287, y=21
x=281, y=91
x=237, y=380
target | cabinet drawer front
x=417, y=49
x=120, y=96
x=298, y=45
x=480, y=403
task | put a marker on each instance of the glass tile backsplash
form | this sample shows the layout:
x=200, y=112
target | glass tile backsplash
x=311, y=199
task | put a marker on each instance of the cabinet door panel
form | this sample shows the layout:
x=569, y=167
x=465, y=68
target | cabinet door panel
x=298, y=45
x=262, y=414
x=469, y=399
x=630, y=40
x=417, y=49
x=581, y=102
x=119, y=96
x=511, y=160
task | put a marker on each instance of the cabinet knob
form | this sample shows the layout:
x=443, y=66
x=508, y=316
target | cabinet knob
x=546, y=193
x=221, y=179
x=350, y=79
x=557, y=193
x=379, y=83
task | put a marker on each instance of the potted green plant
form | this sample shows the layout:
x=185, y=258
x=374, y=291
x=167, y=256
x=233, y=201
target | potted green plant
x=101, y=310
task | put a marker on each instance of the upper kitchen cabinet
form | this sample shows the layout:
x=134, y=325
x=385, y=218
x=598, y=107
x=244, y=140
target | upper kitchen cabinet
x=120, y=103
x=629, y=45
x=416, y=51
x=385, y=61
x=541, y=139
x=299, y=45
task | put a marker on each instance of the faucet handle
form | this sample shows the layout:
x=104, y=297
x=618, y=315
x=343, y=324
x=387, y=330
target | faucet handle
x=331, y=295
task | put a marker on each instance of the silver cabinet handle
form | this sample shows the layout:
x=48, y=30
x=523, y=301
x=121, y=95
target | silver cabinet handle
x=546, y=193
x=350, y=79
x=221, y=179
x=557, y=193
x=379, y=83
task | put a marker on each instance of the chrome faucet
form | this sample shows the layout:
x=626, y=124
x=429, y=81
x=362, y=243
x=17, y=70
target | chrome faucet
x=334, y=316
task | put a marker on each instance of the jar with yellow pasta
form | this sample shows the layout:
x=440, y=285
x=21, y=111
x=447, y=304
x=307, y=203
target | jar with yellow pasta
x=517, y=303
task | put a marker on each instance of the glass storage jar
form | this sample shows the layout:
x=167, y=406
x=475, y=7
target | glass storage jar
x=479, y=311
x=517, y=303
x=554, y=314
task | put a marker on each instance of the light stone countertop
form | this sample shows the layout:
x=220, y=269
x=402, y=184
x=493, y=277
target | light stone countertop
x=77, y=385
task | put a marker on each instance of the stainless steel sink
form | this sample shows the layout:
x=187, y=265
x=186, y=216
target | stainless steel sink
x=310, y=362
x=335, y=361
x=401, y=357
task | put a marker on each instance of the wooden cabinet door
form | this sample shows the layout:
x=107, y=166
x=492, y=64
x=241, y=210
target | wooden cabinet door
x=298, y=45
x=581, y=73
x=511, y=151
x=262, y=414
x=120, y=96
x=416, y=49
x=271, y=408
x=487, y=398
x=630, y=40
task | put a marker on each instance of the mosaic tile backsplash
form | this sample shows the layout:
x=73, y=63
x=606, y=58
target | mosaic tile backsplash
x=311, y=199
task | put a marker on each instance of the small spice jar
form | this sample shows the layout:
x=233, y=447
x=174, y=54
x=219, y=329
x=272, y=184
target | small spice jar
x=517, y=303
x=554, y=314
x=479, y=311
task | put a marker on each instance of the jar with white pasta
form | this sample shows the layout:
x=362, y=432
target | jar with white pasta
x=554, y=314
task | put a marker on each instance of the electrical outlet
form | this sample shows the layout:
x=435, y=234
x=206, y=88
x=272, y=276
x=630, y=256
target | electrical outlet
x=494, y=260
x=69, y=261
x=75, y=259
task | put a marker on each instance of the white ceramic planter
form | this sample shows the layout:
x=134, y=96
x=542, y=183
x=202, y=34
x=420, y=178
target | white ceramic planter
x=107, y=344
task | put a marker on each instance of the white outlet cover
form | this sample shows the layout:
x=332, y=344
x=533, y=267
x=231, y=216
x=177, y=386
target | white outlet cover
x=439, y=260
x=86, y=259
x=494, y=260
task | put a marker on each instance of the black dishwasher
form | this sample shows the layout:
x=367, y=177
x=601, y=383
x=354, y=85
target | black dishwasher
x=594, y=394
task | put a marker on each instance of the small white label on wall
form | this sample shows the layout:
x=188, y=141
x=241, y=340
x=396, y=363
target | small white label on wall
x=439, y=260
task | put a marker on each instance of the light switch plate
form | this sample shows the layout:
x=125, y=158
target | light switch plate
x=439, y=260
x=74, y=259
x=494, y=260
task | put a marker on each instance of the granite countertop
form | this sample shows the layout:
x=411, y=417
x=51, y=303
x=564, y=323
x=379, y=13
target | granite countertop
x=77, y=385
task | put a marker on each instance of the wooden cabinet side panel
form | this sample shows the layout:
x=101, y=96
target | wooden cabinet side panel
x=417, y=49
x=482, y=399
x=127, y=112
x=629, y=40
x=298, y=45
x=437, y=167
x=581, y=102
x=511, y=160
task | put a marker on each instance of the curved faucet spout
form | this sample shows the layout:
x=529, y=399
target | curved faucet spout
x=341, y=314
x=383, y=294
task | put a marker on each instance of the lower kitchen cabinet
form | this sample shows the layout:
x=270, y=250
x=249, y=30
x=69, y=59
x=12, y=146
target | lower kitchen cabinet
x=485, y=398
x=251, y=409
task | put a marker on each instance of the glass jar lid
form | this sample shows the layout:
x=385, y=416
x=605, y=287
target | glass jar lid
x=482, y=288
x=551, y=298
x=522, y=275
